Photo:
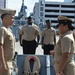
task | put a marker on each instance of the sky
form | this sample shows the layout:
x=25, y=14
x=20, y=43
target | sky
x=16, y=4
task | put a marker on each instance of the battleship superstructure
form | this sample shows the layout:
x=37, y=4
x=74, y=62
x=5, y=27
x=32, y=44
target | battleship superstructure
x=20, y=20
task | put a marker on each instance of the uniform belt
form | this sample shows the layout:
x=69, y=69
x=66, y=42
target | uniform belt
x=29, y=40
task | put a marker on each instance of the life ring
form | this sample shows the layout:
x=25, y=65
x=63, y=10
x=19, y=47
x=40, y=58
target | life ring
x=36, y=65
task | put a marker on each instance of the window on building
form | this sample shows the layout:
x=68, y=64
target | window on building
x=41, y=3
x=67, y=11
x=51, y=5
x=54, y=21
x=41, y=20
x=67, y=6
x=54, y=16
x=51, y=10
x=41, y=8
x=41, y=13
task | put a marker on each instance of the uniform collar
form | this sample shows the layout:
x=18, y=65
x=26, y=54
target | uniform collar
x=5, y=25
x=69, y=32
x=48, y=28
x=30, y=25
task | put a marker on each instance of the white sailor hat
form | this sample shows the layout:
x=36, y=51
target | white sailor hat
x=8, y=11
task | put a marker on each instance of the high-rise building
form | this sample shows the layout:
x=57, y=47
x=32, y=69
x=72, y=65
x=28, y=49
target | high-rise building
x=2, y=3
x=44, y=10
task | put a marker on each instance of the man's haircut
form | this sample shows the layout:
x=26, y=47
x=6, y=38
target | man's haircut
x=48, y=21
x=3, y=15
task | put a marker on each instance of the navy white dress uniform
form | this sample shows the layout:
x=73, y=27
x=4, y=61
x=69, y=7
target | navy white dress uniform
x=29, y=34
x=7, y=41
x=65, y=45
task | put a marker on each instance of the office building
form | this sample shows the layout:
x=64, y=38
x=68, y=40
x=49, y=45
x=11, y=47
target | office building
x=2, y=3
x=44, y=10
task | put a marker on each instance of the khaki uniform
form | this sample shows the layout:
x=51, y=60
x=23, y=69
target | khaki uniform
x=7, y=39
x=48, y=39
x=29, y=33
x=65, y=44
x=49, y=35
